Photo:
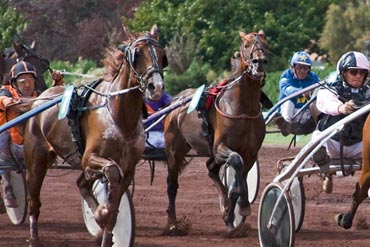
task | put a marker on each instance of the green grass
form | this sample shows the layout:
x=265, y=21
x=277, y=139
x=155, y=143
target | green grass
x=279, y=139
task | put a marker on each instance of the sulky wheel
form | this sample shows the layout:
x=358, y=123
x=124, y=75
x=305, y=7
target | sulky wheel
x=296, y=193
x=275, y=224
x=124, y=230
x=227, y=175
x=18, y=215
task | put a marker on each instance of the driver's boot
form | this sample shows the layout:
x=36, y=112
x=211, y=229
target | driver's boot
x=9, y=197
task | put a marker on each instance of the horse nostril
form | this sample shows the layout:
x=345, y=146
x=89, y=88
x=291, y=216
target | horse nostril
x=151, y=87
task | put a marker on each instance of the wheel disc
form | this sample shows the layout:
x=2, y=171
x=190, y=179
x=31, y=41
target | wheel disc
x=281, y=233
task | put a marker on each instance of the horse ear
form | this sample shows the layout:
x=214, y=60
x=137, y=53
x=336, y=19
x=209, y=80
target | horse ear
x=127, y=33
x=18, y=49
x=242, y=35
x=155, y=32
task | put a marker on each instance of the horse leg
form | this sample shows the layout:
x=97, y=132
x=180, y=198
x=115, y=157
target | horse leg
x=239, y=192
x=106, y=215
x=172, y=186
x=362, y=187
x=360, y=194
x=35, y=175
x=85, y=187
x=213, y=173
x=236, y=161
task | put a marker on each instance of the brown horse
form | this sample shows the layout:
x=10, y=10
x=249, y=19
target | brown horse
x=230, y=132
x=110, y=127
x=22, y=52
x=362, y=186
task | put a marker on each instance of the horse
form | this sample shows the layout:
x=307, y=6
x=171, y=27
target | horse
x=108, y=129
x=362, y=186
x=230, y=131
x=22, y=52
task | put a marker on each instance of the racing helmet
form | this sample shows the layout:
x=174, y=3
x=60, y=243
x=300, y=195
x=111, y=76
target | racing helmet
x=301, y=57
x=21, y=68
x=352, y=60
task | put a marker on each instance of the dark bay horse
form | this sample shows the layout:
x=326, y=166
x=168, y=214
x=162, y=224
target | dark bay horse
x=230, y=132
x=362, y=186
x=110, y=126
x=22, y=52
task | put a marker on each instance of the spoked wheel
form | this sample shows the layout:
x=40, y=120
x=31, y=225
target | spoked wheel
x=298, y=198
x=124, y=230
x=276, y=227
x=18, y=181
x=227, y=175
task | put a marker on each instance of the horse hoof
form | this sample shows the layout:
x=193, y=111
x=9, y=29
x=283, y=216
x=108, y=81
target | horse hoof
x=247, y=211
x=340, y=220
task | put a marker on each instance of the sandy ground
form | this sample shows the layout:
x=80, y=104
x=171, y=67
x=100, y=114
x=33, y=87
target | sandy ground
x=61, y=223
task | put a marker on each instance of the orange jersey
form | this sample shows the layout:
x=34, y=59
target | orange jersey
x=9, y=114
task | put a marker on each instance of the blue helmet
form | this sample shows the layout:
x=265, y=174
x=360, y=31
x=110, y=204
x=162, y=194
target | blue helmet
x=301, y=57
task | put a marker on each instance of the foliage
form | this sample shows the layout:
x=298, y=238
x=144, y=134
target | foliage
x=193, y=77
x=289, y=27
x=346, y=28
x=11, y=23
x=82, y=67
x=180, y=52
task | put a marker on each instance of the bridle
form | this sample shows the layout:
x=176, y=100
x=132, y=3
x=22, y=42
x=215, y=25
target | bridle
x=253, y=63
x=130, y=53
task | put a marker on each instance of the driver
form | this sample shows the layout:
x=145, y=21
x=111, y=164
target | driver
x=292, y=80
x=21, y=89
x=342, y=98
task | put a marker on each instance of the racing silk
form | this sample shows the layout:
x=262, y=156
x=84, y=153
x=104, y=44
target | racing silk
x=8, y=114
x=153, y=106
x=328, y=103
x=289, y=84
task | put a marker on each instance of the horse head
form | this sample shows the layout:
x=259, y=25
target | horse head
x=253, y=54
x=147, y=60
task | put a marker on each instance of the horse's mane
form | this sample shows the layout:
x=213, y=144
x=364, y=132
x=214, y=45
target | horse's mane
x=112, y=63
x=114, y=58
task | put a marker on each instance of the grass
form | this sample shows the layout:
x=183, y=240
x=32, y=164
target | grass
x=279, y=139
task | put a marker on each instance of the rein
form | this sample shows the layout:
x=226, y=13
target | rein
x=219, y=95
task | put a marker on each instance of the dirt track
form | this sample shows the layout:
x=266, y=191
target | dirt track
x=61, y=223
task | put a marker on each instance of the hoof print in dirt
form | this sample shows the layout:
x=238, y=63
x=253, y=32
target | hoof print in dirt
x=181, y=228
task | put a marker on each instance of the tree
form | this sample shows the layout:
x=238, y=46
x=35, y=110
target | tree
x=289, y=25
x=346, y=29
x=68, y=30
x=11, y=23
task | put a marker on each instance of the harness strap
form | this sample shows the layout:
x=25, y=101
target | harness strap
x=78, y=103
